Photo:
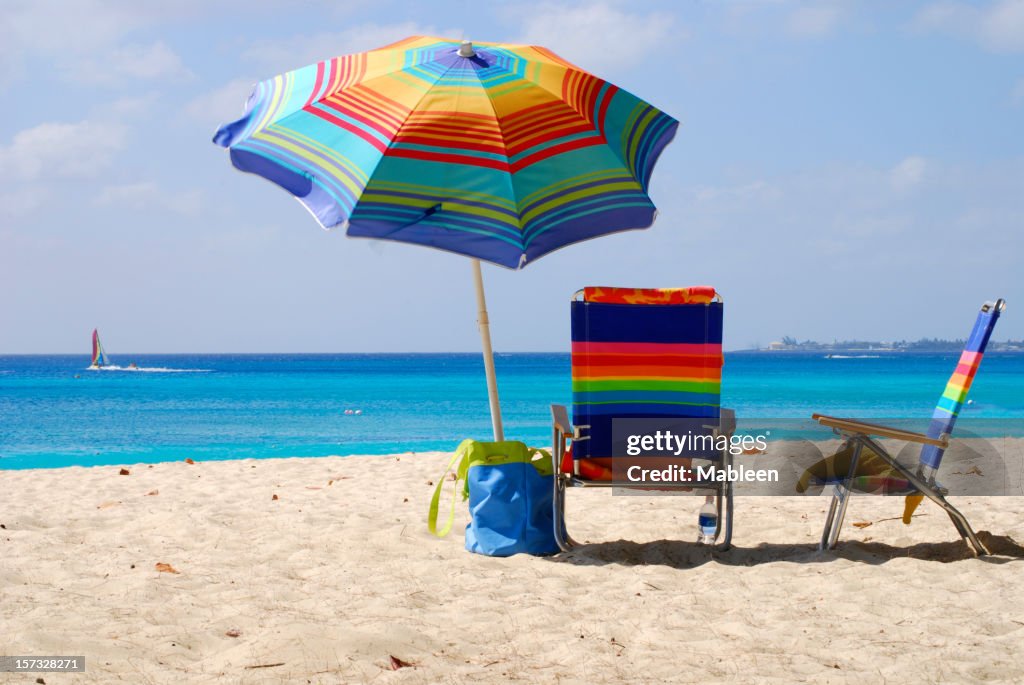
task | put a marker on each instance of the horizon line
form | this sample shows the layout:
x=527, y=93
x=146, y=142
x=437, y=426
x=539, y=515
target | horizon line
x=125, y=355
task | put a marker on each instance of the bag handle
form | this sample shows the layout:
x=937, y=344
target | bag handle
x=462, y=456
x=545, y=466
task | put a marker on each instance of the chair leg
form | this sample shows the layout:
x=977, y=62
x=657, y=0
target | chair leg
x=961, y=524
x=834, y=518
x=829, y=518
x=837, y=525
x=726, y=544
x=928, y=489
x=562, y=538
x=558, y=496
x=565, y=543
x=725, y=493
x=840, y=500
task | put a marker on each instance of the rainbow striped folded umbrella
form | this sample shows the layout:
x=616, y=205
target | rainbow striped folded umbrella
x=499, y=152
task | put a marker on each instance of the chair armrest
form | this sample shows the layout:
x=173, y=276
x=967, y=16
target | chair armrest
x=854, y=426
x=727, y=421
x=560, y=418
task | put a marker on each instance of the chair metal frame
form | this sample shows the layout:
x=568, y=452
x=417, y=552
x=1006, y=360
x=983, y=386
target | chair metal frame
x=860, y=433
x=563, y=431
x=922, y=479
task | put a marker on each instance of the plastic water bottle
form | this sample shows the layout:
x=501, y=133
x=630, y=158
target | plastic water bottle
x=707, y=522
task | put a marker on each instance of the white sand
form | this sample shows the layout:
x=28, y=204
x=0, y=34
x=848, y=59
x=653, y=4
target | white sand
x=331, y=580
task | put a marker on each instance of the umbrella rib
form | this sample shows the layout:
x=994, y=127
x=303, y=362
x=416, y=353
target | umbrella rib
x=391, y=141
x=625, y=163
x=509, y=174
x=281, y=122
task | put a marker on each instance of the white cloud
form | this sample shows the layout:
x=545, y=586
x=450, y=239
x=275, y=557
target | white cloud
x=148, y=62
x=598, y=37
x=843, y=238
x=800, y=19
x=755, y=190
x=56, y=149
x=814, y=21
x=222, y=104
x=85, y=39
x=1003, y=26
x=838, y=208
x=277, y=56
x=998, y=27
x=143, y=62
x=130, y=106
x=908, y=173
x=147, y=195
x=69, y=27
x=945, y=14
x=21, y=202
x=156, y=60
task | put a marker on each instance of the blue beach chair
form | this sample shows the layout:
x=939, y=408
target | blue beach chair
x=896, y=478
x=640, y=354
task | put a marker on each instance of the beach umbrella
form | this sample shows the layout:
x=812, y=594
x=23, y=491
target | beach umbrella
x=502, y=153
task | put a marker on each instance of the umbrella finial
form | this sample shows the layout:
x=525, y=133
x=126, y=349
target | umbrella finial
x=466, y=49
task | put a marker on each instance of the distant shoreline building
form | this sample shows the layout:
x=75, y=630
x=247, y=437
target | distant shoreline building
x=925, y=345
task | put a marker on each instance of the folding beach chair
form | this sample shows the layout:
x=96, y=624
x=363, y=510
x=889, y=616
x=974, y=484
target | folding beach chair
x=893, y=476
x=640, y=354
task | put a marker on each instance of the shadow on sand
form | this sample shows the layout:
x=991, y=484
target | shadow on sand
x=682, y=555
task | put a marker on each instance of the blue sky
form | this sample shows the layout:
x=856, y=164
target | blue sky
x=842, y=170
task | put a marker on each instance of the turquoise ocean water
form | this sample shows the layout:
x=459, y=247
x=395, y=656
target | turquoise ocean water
x=54, y=412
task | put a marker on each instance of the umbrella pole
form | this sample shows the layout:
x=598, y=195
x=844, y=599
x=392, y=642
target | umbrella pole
x=485, y=338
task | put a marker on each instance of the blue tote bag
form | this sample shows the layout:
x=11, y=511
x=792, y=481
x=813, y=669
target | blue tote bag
x=510, y=488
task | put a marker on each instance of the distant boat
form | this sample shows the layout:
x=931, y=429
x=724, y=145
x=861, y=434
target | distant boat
x=99, y=357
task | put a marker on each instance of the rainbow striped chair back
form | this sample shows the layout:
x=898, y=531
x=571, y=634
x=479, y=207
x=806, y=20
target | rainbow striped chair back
x=643, y=353
x=952, y=400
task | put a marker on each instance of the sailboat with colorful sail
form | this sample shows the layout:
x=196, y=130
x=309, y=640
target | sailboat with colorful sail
x=99, y=357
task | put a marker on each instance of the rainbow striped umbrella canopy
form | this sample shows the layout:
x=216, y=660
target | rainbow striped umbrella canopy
x=499, y=152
